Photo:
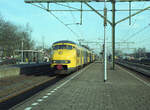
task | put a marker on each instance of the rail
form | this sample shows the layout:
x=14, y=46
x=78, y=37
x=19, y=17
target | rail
x=141, y=68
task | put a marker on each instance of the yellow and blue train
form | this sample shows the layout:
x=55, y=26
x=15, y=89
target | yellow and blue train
x=67, y=56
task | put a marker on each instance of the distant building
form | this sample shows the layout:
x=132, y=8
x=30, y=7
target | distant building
x=147, y=54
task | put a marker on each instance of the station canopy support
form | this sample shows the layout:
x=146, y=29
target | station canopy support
x=113, y=23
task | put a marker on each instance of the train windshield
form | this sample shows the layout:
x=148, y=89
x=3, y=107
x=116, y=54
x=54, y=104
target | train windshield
x=69, y=47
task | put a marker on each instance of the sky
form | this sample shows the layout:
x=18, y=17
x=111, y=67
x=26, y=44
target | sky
x=46, y=28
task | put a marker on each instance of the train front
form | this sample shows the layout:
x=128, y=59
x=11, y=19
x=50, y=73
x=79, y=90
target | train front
x=63, y=57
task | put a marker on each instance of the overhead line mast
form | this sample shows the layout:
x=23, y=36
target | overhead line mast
x=105, y=46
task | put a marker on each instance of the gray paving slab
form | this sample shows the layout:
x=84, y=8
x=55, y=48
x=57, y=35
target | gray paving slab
x=87, y=91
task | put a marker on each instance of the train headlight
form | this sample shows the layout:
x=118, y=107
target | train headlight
x=66, y=61
x=54, y=61
x=61, y=61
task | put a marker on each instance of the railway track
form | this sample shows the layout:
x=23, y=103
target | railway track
x=18, y=88
x=140, y=68
x=33, y=79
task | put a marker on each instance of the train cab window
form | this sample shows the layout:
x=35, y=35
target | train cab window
x=69, y=47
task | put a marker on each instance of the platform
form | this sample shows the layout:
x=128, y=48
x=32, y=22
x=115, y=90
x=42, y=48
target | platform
x=86, y=90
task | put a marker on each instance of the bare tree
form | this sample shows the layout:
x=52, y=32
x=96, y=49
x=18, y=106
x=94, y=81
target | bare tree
x=11, y=37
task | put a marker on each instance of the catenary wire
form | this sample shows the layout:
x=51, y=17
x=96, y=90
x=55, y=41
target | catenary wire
x=57, y=19
x=133, y=35
x=132, y=24
x=74, y=19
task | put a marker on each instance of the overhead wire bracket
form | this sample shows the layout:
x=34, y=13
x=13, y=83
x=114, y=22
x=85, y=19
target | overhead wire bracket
x=129, y=12
x=81, y=14
x=48, y=6
x=105, y=16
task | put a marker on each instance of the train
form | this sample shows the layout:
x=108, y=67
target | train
x=68, y=56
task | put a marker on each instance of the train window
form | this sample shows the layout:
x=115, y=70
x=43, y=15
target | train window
x=56, y=47
x=69, y=47
x=78, y=53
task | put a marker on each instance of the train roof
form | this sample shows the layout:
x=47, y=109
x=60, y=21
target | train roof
x=85, y=46
x=71, y=42
x=64, y=41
